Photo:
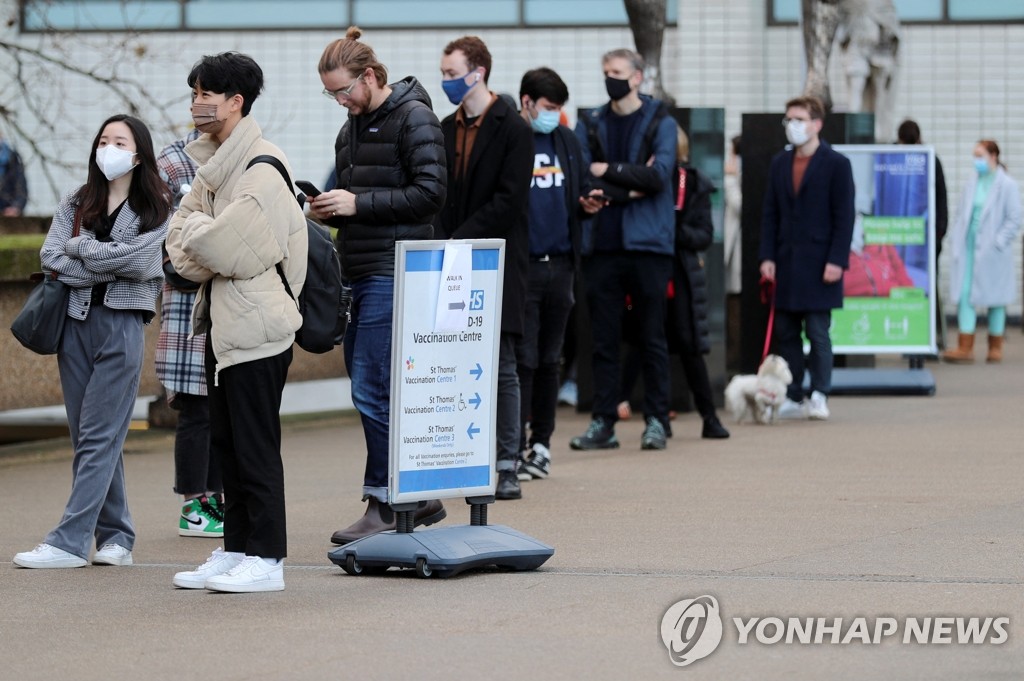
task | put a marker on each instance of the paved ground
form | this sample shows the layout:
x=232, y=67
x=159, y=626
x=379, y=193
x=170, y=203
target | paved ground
x=897, y=507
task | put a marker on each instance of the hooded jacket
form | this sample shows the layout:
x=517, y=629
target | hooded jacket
x=229, y=233
x=648, y=223
x=392, y=159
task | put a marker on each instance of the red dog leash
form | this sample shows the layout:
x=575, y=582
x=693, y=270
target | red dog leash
x=768, y=298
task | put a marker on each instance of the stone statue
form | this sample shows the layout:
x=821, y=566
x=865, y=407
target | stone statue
x=868, y=35
x=869, y=42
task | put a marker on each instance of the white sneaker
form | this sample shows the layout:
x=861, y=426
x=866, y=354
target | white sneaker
x=818, y=409
x=46, y=556
x=251, y=575
x=112, y=554
x=568, y=393
x=793, y=410
x=218, y=563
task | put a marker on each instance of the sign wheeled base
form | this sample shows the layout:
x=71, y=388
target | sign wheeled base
x=847, y=381
x=445, y=551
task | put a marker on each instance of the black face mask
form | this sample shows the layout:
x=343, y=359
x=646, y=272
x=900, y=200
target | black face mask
x=617, y=87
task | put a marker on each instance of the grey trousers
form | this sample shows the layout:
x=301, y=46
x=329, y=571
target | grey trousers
x=507, y=415
x=100, y=362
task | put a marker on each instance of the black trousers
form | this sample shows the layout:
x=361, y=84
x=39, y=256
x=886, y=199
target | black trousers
x=195, y=471
x=245, y=438
x=549, y=300
x=694, y=368
x=608, y=278
x=696, y=372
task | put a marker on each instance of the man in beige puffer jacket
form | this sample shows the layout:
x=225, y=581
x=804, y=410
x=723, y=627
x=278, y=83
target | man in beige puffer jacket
x=229, y=234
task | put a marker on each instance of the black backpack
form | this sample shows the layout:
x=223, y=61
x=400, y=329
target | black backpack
x=325, y=300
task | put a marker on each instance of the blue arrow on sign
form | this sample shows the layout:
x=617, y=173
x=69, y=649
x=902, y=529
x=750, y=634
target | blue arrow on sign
x=475, y=401
x=478, y=372
x=471, y=431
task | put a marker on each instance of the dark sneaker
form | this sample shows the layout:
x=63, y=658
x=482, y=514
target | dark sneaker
x=713, y=429
x=508, y=486
x=539, y=465
x=654, y=434
x=600, y=435
x=522, y=474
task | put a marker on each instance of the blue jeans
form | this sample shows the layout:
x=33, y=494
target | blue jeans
x=789, y=345
x=368, y=358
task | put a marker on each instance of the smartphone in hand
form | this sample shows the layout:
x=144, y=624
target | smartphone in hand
x=308, y=188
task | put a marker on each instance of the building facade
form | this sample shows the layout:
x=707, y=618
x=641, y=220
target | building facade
x=959, y=75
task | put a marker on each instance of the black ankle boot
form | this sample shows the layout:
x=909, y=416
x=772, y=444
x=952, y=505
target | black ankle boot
x=713, y=429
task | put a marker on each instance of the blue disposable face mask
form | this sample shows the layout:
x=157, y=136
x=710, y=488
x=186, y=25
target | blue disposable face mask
x=981, y=165
x=456, y=88
x=545, y=122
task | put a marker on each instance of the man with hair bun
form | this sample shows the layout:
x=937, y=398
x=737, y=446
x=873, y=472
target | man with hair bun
x=391, y=183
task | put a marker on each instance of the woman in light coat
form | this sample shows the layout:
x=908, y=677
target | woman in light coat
x=986, y=224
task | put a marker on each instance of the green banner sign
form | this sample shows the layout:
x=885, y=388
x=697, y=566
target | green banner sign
x=889, y=286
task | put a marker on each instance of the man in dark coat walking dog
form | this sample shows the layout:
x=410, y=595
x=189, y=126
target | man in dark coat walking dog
x=805, y=246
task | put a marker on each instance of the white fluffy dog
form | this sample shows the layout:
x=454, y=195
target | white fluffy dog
x=759, y=396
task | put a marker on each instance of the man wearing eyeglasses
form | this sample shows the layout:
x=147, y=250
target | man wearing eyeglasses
x=805, y=246
x=391, y=183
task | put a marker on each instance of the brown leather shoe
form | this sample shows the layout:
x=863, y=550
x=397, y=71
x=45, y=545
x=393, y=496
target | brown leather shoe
x=380, y=518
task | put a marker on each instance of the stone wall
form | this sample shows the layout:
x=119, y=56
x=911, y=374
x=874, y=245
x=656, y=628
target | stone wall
x=31, y=380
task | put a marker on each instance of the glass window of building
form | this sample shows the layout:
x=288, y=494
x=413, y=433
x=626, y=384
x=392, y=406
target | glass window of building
x=172, y=15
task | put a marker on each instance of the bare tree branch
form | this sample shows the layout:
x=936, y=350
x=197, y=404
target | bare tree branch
x=647, y=22
x=40, y=119
x=820, y=19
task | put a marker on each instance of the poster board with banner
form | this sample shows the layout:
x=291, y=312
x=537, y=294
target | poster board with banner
x=889, y=303
x=445, y=337
x=447, y=323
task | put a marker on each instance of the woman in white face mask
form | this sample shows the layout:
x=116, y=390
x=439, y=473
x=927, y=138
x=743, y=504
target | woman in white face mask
x=981, y=239
x=104, y=244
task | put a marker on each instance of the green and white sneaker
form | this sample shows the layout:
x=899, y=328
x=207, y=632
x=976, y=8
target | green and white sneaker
x=201, y=517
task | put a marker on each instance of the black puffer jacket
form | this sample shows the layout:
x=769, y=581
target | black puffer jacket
x=393, y=159
x=687, y=325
